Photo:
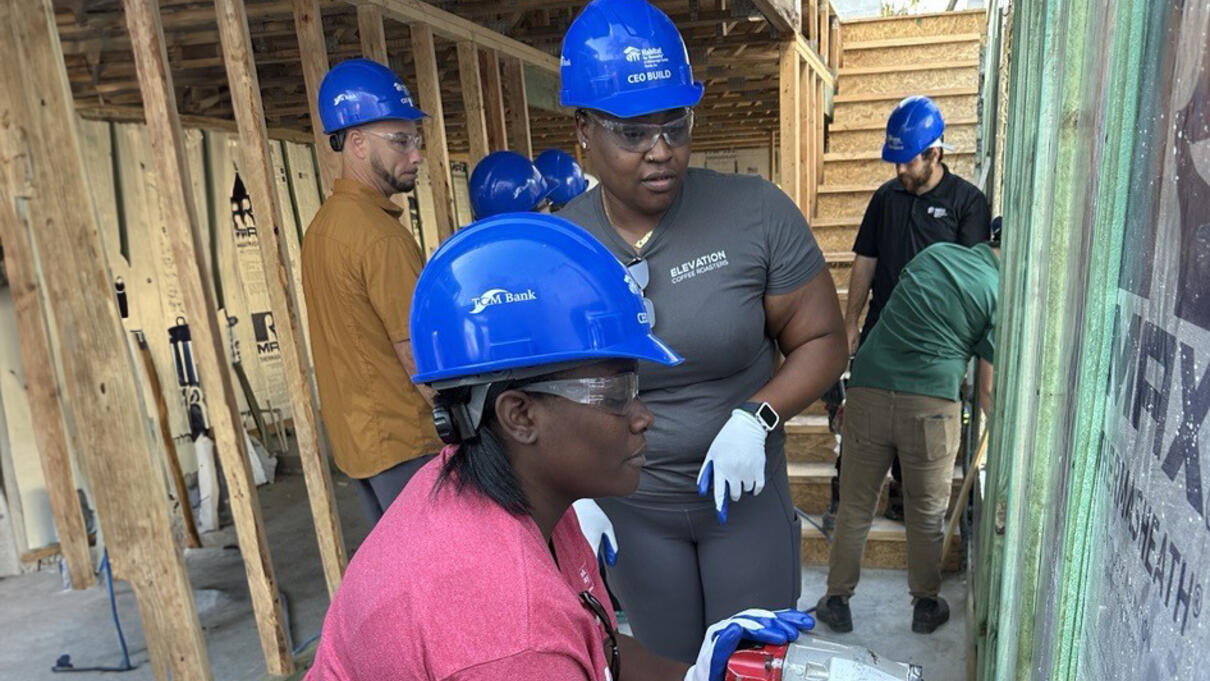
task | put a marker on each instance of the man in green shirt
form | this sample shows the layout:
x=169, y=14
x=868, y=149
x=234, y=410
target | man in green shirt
x=903, y=399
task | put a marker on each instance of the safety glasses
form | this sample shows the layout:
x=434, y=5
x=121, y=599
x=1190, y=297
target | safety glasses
x=641, y=138
x=641, y=274
x=403, y=142
x=615, y=657
x=613, y=394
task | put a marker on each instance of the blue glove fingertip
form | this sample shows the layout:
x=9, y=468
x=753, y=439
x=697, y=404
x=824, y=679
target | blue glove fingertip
x=725, y=643
x=722, y=512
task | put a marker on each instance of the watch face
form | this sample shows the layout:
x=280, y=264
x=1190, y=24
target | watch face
x=767, y=415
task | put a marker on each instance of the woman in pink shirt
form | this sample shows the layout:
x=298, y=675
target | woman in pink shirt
x=530, y=332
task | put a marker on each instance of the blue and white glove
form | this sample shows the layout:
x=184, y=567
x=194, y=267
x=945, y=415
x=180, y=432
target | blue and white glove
x=735, y=462
x=762, y=626
x=597, y=530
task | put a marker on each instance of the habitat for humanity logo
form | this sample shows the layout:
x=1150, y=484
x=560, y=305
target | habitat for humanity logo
x=499, y=296
x=650, y=56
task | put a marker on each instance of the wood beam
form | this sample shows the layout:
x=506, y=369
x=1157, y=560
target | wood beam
x=472, y=101
x=493, y=99
x=45, y=401
x=258, y=177
x=518, y=108
x=784, y=15
x=40, y=151
x=806, y=159
x=814, y=62
x=436, y=149
x=372, y=35
x=789, y=121
x=314, y=53
x=454, y=27
x=190, y=240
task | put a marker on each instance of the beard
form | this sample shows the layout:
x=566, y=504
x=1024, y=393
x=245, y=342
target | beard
x=400, y=184
x=914, y=181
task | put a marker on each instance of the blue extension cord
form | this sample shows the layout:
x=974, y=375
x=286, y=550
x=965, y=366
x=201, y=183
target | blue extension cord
x=63, y=664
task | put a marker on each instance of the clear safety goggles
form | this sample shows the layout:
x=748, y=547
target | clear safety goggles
x=403, y=142
x=641, y=138
x=641, y=274
x=613, y=394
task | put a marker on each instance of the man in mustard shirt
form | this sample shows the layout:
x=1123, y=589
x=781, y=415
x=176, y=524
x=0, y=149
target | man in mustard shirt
x=359, y=267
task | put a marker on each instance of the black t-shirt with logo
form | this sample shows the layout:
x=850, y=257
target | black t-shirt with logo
x=899, y=224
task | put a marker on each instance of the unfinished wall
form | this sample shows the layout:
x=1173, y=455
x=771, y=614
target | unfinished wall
x=750, y=161
x=124, y=190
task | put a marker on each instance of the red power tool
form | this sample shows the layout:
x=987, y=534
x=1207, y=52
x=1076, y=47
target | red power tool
x=811, y=658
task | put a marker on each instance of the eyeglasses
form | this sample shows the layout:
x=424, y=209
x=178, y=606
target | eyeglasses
x=404, y=142
x=613, y=394
x=641, y=138
x=615, y=657
x=641, y=274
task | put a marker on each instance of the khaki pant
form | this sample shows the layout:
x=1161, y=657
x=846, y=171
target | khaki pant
x=924, y=432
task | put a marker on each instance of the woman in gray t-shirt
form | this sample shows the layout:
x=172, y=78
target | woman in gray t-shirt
x=734, y=281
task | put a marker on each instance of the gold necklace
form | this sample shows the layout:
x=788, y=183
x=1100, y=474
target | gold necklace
x=638, y=245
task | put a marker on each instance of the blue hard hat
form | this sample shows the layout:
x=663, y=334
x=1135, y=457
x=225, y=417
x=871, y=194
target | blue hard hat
x=626, y=58
x=505, y=182
x=562, y=174
x=914, y=125
x=525, y=290
x=360, y=91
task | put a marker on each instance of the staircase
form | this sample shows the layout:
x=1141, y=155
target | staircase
x=883, y=60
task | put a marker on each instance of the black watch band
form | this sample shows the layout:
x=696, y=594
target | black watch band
x=764, y=412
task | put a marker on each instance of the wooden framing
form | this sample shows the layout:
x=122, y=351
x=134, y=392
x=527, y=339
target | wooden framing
x=258, y=174
x=436, y=150
x=518, y=108
x=472, y=100
x=308, y=22
x=493, y=99
x=806, y=161
x=454, y=27
x=43, y=158
x=790, y=123
x=784, y=15
x=189, y=239
x=372, y=35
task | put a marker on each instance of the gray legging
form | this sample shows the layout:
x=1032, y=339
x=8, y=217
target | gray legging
x=679, y=570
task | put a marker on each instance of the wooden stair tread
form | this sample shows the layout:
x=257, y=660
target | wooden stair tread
x=807, y=423
x=908, y=68
x=847, y=188
x=896, y=96
x=848, y=221
x=911, y=17
x=914, y=41
x=842, y=156
x=833, y=257
x=881, y=530
x=881, y=125
x=803, y=471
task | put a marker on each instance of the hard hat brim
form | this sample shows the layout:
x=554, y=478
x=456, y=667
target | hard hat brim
x=648, y=349
x=634, y=103
x=403, y=113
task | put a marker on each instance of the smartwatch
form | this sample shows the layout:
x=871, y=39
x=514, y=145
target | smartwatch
x=764, y=412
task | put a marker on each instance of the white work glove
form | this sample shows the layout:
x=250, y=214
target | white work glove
x=735, y=462
x=761, y=626
x=597, y=530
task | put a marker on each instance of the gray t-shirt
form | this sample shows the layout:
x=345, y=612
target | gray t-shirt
x=726, y=243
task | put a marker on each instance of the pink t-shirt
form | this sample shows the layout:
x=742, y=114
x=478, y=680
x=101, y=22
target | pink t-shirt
x=451, y=586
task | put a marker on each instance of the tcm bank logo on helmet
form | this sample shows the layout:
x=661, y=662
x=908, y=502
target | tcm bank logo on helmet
x=894, y=142
x=499, y=296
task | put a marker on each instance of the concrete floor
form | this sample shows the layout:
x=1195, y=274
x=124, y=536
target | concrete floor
x=41, y=621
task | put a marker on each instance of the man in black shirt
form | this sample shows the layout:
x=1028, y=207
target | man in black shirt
x=924, y=204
